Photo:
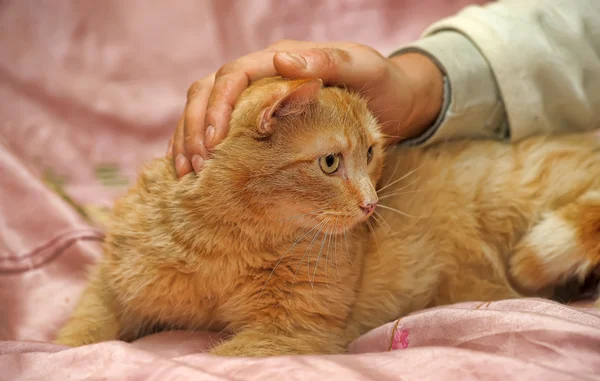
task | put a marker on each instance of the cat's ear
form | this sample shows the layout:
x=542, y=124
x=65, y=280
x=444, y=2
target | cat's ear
x=293, y=100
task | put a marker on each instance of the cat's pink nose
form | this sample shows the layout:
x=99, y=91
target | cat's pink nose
x=368, y=208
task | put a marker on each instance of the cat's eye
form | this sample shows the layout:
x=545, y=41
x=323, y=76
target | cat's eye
x=329, y=163
x=369, y=154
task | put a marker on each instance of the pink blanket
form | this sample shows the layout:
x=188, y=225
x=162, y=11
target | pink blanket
x=90, y=90
x=508, y=340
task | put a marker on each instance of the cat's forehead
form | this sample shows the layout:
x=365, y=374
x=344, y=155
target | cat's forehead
x=350, y=115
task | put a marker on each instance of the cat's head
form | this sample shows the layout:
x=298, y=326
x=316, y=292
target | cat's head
x=303, y=154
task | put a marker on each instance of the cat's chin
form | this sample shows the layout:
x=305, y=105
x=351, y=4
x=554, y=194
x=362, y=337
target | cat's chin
x=330, y=223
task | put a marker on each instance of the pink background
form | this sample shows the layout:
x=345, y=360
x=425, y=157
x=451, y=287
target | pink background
x=91, y=89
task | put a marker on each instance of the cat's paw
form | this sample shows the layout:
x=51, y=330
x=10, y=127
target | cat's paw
x=234, y=349
x=263, y=344
x=72, y=341
x=77, y=335
x=251, y=345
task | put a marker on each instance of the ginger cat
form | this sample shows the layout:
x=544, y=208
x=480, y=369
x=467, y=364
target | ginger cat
x=277, y=242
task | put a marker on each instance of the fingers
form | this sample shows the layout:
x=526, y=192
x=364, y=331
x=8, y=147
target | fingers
x=170, y=148
x=186, y=146
x=362, y=69
x=231, y=80
x=356, y=66
x=182, y=165
x=211, y=100
x=194, y=127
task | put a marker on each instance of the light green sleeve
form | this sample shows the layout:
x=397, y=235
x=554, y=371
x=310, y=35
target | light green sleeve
x=516, y=68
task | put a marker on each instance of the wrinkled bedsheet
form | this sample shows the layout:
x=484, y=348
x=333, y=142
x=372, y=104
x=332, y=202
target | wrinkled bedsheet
x=90, y=90
x=507, y=340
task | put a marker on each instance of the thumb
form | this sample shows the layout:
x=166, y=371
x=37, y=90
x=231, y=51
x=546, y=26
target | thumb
x=355, y=68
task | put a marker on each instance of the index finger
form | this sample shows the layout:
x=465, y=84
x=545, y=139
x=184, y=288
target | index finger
x=193, y=126
x=231, y=80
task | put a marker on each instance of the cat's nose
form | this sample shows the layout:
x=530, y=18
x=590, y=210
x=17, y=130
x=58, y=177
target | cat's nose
x=369, y=207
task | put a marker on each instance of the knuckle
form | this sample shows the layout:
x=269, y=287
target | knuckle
x=331, y=56
x=218, y=93
x=380, y=63
x=194, y=88
x=381, y=68
x=226, y=69
x=369, y=50
x=188, y=138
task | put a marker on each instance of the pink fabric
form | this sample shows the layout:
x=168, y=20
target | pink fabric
x=90, y=90
x=507, y=340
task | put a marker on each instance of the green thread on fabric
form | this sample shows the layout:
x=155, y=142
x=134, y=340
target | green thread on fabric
x=110, y=175
x=57, y=184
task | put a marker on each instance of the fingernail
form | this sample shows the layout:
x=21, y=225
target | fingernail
x=294, y=59
x=208, y=137
x=180, y=163
x=197, y=162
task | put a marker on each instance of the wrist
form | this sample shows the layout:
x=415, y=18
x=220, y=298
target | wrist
x=426, y=81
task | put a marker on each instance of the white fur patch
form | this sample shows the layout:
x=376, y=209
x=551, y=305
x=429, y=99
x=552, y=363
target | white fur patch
x=554, y=241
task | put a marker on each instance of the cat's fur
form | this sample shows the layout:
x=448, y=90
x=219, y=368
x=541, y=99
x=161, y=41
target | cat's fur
x=265, y=246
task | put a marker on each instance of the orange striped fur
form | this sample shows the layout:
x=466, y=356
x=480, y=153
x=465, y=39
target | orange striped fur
x=264, y=246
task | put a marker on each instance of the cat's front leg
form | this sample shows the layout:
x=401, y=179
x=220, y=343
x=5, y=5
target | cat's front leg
x=256, y=343
x=92, y=321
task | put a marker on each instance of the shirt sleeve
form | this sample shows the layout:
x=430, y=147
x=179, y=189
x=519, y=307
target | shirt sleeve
x=516, y=68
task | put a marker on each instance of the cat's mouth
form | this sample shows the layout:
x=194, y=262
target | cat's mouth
x=339, y=223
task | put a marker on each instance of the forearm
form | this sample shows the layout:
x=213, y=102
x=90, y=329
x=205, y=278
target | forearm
x=515, y=69
x=471, y=105
x=427, y=82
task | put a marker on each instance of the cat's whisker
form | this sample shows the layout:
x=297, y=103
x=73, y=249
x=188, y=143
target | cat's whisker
x=346, y=114
x=370, y=225
x=395, y=210
x=319, y=256
x=347, y=247
x=399, y=124
x=393, y=174
x=400, y=192
x=399, y=189
x=283, y=256
x=327, y=256
x=403, y=137
x=377, y=220
x=373, y=218
x=337, y=269
x=380, y=218
x=308, y=249
x=362, y=89
x=305, y=225
x=401, y=178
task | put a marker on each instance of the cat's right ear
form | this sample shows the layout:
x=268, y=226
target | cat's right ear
x=291, y=101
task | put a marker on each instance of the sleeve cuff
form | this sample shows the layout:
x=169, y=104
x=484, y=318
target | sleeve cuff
x=472, y=106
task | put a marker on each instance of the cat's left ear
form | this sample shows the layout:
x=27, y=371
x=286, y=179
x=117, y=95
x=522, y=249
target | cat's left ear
x=293, y=100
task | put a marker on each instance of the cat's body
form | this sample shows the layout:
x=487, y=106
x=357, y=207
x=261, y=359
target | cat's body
x=286, y=268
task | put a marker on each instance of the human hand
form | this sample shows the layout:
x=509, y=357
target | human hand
x=405, y=92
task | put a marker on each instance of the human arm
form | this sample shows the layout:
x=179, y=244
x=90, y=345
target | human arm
x=512, y=69
x=404, y=92
x=516, y=69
